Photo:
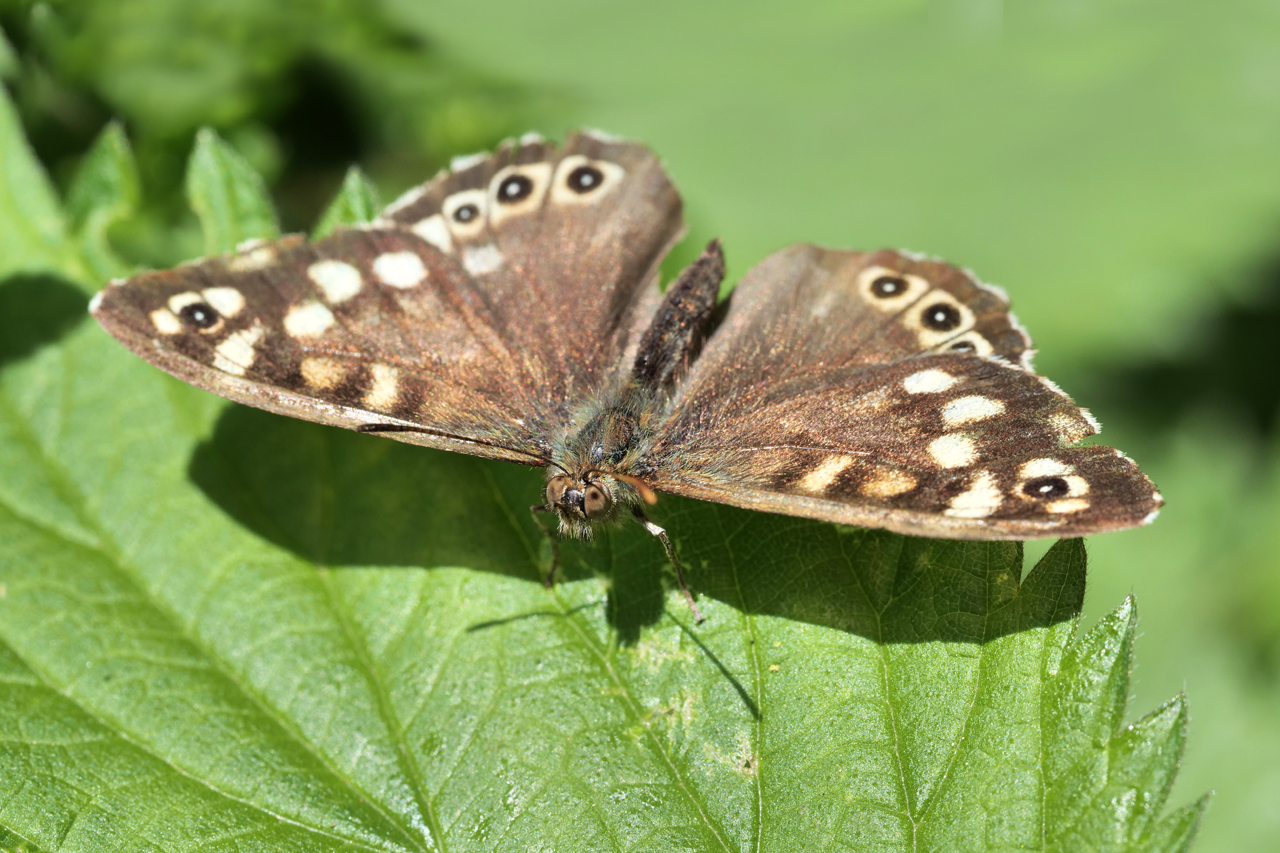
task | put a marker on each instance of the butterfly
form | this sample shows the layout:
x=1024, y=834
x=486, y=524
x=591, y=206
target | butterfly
x=509, y=308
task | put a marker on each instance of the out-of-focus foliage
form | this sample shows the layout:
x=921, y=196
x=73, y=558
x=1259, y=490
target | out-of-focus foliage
x=302, y=88
x=1111, y=164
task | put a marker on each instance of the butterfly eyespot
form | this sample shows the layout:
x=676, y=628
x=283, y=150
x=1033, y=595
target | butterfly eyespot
x=596, y=502
x=466, y=213
x=584, y=179
x=200, y=314
x=511, y=190
x=1046, y=487
x=888, y=286
x=940, y=317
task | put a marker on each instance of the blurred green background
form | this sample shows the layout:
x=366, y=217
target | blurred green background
x=1115, y=165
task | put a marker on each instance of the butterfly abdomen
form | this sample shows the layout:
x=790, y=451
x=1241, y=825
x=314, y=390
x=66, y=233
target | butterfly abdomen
x=682, y=322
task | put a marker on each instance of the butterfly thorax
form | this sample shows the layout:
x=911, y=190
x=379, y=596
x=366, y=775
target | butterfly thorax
x=591, y=478
x=593, y=474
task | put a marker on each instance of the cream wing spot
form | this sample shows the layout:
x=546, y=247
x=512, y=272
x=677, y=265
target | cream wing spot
x=967, y=410
x=820, y=478
x=930, y=381
x=888, y=483
x=337, y=280
x=889, y=290
x=194, y=312
x=971, y=342
x=323, y=374
x=937, y=318
x=1044, y=467
x=308, y=320
x=462, y=162
x=980, y=500
x=255, y=259
x=434, y=230
x=401, y=270
x=517, y=190
x=1077, y=485
x=181, y=300
x=165, y=321
x=1070, y=429
x=465, y=213
x=1067, y=506
x=581, y=180
x=480, y=260
x=237, y=352
x=1053, y=481
x=384, y=387
x=227, y=301
x=953, y=450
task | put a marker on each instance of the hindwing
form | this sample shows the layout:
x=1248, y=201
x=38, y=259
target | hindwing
x=884, y=390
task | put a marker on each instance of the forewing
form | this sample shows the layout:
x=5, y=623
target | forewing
x=419, y=323
x=842, y=410
x=564, y=248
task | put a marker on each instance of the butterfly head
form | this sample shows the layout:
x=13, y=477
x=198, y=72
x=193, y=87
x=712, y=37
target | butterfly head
x=580, y=500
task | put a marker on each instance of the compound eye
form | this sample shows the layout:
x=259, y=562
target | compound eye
x=555, y=490
x=596, y=502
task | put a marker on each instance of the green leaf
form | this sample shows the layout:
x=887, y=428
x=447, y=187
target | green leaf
x=221, y=628
x=105, y=191
x=357, y=202
x=8, y=59
x=33, y=237
x=228, y=195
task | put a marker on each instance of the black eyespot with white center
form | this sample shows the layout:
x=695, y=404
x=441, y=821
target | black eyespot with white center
x=940, y=317
x=1046, y=488
x=513, y=189
x=200, y=315
x=888, y=286
x=584, y=179
x=466, y=213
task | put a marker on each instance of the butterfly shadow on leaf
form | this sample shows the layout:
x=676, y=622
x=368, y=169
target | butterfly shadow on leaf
x=36, y=310
x=340, y=499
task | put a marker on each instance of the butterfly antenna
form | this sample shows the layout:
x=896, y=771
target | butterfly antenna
x=381, y=428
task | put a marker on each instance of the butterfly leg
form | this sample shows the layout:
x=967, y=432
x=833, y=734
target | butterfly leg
x=671, y=555
x=550, y=579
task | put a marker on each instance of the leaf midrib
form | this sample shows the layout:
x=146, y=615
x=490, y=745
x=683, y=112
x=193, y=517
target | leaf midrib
x=385, y=707
x=632, y=705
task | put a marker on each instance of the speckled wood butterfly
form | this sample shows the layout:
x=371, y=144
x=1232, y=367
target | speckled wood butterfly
x=509, y=308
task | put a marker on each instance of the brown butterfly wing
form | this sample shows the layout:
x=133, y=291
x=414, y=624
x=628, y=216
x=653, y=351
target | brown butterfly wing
x=568, y=289
x=843, y=409
x=424, y=323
